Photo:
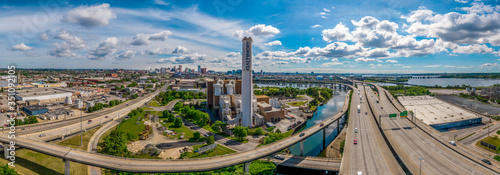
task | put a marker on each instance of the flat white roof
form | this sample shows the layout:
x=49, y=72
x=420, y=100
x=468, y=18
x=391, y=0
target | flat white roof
x=434, y=111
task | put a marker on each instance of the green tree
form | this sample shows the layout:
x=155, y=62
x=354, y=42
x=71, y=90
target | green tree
x=116, y=144
x=196, y=135
x=240, y=132
x=178, y=122
x=219, y=126
x=210, y=140
x=112, y=103
x=259, y=131
x=6, y=170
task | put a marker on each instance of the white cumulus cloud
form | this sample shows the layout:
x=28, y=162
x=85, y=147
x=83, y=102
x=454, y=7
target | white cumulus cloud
x=90, y=16
x=274, y=43
x=20, y=47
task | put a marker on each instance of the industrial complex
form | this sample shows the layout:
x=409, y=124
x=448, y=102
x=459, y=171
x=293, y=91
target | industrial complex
x=437, y=113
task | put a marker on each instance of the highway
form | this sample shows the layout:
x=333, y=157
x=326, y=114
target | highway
x=411, y=143
x=370, y=155
x=157, y=166
x=465, y=150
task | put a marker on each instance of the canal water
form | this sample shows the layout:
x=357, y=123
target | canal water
x=314, y=144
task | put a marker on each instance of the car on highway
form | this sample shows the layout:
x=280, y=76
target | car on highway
x=322, y=124
x=42, y=135
x=453, y=143
x=355, y=130
x=90, y=121
x=366, y=113
x=301, y=134
x=355, y=141
x=486, y=161
x=279, y=157
x=106, y=117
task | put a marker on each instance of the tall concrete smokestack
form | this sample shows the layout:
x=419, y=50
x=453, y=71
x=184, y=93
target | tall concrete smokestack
x=246, y=83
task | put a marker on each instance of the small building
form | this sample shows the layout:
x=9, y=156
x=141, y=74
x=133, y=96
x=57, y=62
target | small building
x=35, y=109
x=263, y=98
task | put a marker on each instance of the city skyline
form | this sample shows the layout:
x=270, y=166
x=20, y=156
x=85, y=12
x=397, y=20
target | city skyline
x=324, y=37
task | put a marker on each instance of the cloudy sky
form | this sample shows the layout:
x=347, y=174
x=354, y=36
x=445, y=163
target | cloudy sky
x=330, y=36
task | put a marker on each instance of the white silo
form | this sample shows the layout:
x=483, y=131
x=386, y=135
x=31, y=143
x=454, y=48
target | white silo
x=230, y=88
x=218, y=87
x=68, y=100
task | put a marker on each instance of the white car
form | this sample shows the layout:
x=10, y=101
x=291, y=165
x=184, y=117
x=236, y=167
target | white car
x=355, y=130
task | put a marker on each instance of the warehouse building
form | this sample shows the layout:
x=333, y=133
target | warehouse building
x=438, y=114
x=35, y=110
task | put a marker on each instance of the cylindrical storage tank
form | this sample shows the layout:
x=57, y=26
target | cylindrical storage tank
x=230, y=87
x=68, y=100
x=218, y=88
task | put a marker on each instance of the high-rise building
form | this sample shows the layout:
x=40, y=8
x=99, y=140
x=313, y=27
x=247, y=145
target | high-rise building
x=261, y=72
x=247, y=87
x=180, y=68
x=203, y=70
x=199, y=69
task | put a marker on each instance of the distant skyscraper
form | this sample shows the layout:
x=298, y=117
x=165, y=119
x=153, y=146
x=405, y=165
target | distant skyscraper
x=180, y=68
x=246, y=88
x=199, y=69
x=261, y=72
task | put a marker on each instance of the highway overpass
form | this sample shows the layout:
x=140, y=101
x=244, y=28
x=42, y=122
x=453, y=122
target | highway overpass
x=313, y=163
x=157, y=166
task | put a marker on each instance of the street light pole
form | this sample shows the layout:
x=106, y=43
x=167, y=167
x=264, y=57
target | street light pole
x=81, y=126
x=420, y=158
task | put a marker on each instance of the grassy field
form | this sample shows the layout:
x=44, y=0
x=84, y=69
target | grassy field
x=130, y=126
x=301, y=96
x=74, y=142
x=147, y=109
x=154, y=103
x=299, y=103
x=208, y=128
x=188, y=133
x=491, y=140
x=221, y=150
x=30, y=162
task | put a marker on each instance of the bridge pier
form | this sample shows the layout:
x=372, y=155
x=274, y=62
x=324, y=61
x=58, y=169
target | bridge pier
x=338, y=126
x=246, y=167
x=67, y=168
x=5, y=151
x=301, y=148
x=324, y=140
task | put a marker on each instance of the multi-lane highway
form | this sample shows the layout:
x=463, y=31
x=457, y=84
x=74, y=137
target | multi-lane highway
x=414, y=146
x=370, y=155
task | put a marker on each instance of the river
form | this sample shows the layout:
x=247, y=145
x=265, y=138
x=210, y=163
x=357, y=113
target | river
x=314, y=144
x=474, y=82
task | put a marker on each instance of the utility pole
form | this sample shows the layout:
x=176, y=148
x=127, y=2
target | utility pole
x=81, y=126
x=420, y=158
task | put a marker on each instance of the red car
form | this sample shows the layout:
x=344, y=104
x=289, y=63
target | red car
x=321, y=124
x=355, y=141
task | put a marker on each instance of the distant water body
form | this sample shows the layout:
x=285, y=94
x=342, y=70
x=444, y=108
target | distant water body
x=474, y=82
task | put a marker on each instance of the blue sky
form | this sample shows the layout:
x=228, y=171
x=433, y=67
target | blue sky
x=387, y=36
